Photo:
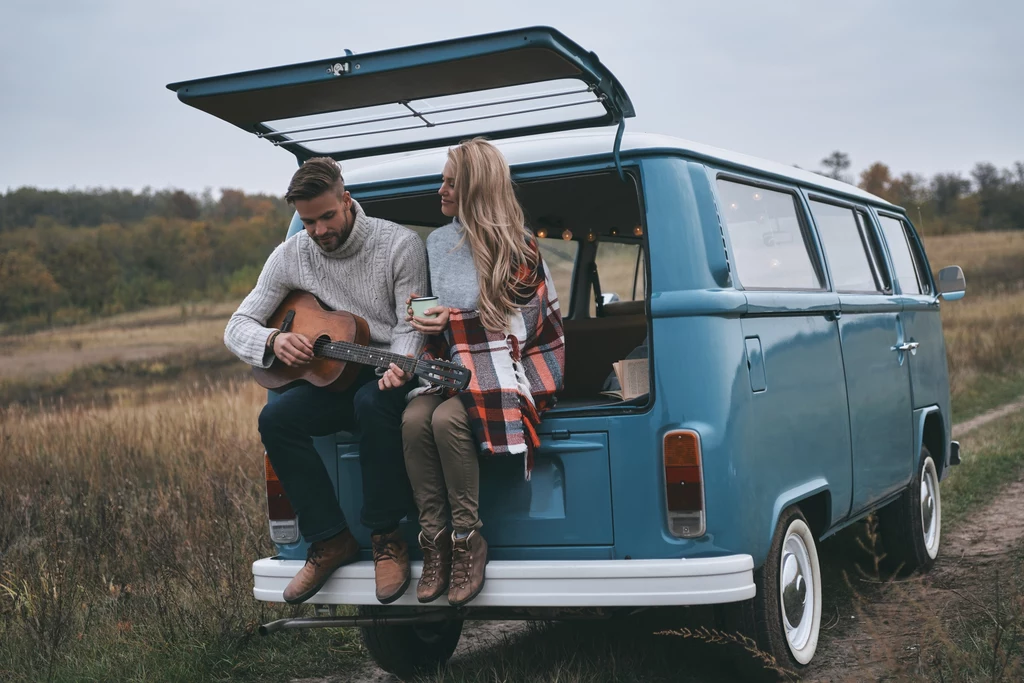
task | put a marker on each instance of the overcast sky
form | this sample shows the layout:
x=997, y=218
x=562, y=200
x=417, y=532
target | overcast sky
x=924, y=86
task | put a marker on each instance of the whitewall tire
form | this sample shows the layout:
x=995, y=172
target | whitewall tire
x=784, y=619
x=911, y=525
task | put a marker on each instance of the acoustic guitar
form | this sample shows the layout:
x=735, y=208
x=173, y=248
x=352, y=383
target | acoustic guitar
x=339, y=348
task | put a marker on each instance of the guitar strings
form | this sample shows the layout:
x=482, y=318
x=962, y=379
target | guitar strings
x=366, y=356
x=361, y=354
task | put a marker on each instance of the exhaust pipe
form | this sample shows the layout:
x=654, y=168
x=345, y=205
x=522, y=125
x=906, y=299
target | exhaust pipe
x=350, y=622
x=329, y=620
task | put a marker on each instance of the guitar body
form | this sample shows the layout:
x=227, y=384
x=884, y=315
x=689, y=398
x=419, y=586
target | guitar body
x=314, y=321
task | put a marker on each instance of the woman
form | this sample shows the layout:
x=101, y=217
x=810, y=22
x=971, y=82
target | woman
x=497, y=314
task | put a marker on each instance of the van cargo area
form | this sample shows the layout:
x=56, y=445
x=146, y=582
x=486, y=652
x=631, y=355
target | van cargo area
x=590, y=230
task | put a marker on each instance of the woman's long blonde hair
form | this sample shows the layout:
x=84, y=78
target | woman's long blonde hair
x=501, y=244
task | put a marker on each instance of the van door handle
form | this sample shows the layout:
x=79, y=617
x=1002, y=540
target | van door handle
x=907, y=346
x=833, y=315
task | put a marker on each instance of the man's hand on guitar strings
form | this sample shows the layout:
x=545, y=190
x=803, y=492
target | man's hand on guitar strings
x=292, y=348
x=393, y=378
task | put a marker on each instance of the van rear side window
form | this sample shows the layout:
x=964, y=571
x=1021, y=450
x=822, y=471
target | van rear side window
x=621, y=271
x=899, y=250
x=560, y=258
x=769, y=249
x=845, y=248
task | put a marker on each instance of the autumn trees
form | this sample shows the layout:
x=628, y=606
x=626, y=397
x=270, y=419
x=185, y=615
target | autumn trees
x=66, y=256
x=989, y=199
x=69, y=256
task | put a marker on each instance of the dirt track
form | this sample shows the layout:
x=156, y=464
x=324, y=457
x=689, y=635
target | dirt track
x=983, y=419
x=969, y=559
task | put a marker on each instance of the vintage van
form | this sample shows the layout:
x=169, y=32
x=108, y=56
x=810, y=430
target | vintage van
x=790, y=325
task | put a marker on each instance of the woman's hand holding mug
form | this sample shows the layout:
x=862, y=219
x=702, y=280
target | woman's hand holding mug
x=424, y=315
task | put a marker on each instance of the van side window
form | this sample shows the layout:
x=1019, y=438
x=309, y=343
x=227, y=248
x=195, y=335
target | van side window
x=769, y=247
x=560, y=258
x=846, y=251
x=867, y=231
x=902, y=258
x=622, y=272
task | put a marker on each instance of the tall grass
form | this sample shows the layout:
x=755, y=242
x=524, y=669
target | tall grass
x=985, y=330
x=126, y=539
x=984, y=350
x=992, y=261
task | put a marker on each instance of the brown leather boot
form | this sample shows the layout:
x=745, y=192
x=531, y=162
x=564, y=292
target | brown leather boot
x=437, y=566
x=390, y=565
x=322, y=558
x=469, y=557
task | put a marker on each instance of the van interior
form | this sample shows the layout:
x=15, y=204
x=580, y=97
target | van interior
x=592, y=238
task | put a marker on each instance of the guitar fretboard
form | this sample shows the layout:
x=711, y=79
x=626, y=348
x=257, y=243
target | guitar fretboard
x=364, y=355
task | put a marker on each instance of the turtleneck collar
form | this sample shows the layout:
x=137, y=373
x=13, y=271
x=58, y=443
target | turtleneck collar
x=355, y=240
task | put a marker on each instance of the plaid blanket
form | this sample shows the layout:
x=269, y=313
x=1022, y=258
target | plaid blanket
x=516, y=372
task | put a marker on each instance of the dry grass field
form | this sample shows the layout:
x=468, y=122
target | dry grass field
x=992, y=261
x=131, y=503
x=149, y=354
x=126, y=535
x=985, y=330
x=146, y=334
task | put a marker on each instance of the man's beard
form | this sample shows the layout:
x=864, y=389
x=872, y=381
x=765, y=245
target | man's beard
x=333, y=241
x=329, y=242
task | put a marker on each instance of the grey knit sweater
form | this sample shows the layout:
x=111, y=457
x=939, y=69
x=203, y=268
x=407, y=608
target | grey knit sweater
x=370, y=275
x=453, y=277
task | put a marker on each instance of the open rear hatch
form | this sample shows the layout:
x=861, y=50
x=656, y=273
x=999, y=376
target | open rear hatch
x=507, y=84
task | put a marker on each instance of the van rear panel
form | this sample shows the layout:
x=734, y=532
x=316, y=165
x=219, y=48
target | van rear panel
x=564, y=511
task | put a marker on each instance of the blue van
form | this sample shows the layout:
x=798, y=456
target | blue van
x=788, y=371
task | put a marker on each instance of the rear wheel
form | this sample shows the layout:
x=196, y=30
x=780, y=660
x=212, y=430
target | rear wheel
x=912, y=524
x=408, y=650
x=784, y=619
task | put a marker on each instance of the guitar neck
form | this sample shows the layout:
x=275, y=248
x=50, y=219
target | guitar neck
x=364, y=355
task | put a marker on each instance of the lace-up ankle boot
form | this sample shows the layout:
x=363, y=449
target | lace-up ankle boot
x=322, y=558
x=437, y=566
x=390, y=565
x=469, y=557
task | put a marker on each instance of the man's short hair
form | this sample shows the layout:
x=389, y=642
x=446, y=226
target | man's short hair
x=314, y=177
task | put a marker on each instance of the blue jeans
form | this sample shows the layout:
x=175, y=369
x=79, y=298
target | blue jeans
x=294, y=416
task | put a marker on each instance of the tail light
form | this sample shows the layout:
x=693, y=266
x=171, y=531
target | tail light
x=684, y=483
x=284, y=524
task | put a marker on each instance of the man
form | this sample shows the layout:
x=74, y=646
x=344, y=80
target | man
x=369, y=267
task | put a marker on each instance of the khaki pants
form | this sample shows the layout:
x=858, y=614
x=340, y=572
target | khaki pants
x=441, y=459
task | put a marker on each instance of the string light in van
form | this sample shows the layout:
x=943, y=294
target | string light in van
x=567, y=234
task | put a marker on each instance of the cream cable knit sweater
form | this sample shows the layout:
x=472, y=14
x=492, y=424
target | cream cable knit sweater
x=370, y=275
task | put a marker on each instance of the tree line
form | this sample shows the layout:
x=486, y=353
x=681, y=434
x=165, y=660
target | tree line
x=988, y=198
x=69, y=256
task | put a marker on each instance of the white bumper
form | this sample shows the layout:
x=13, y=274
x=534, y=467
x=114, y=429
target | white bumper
x=589, y=583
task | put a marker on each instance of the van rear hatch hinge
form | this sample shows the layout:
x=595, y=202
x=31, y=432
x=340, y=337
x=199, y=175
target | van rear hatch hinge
x=618, y=145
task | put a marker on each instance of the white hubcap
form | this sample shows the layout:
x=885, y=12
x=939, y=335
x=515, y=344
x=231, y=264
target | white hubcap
x=930, y=511
x=796, y=584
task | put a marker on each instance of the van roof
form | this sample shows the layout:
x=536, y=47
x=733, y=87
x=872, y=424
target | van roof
x=561, y=146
